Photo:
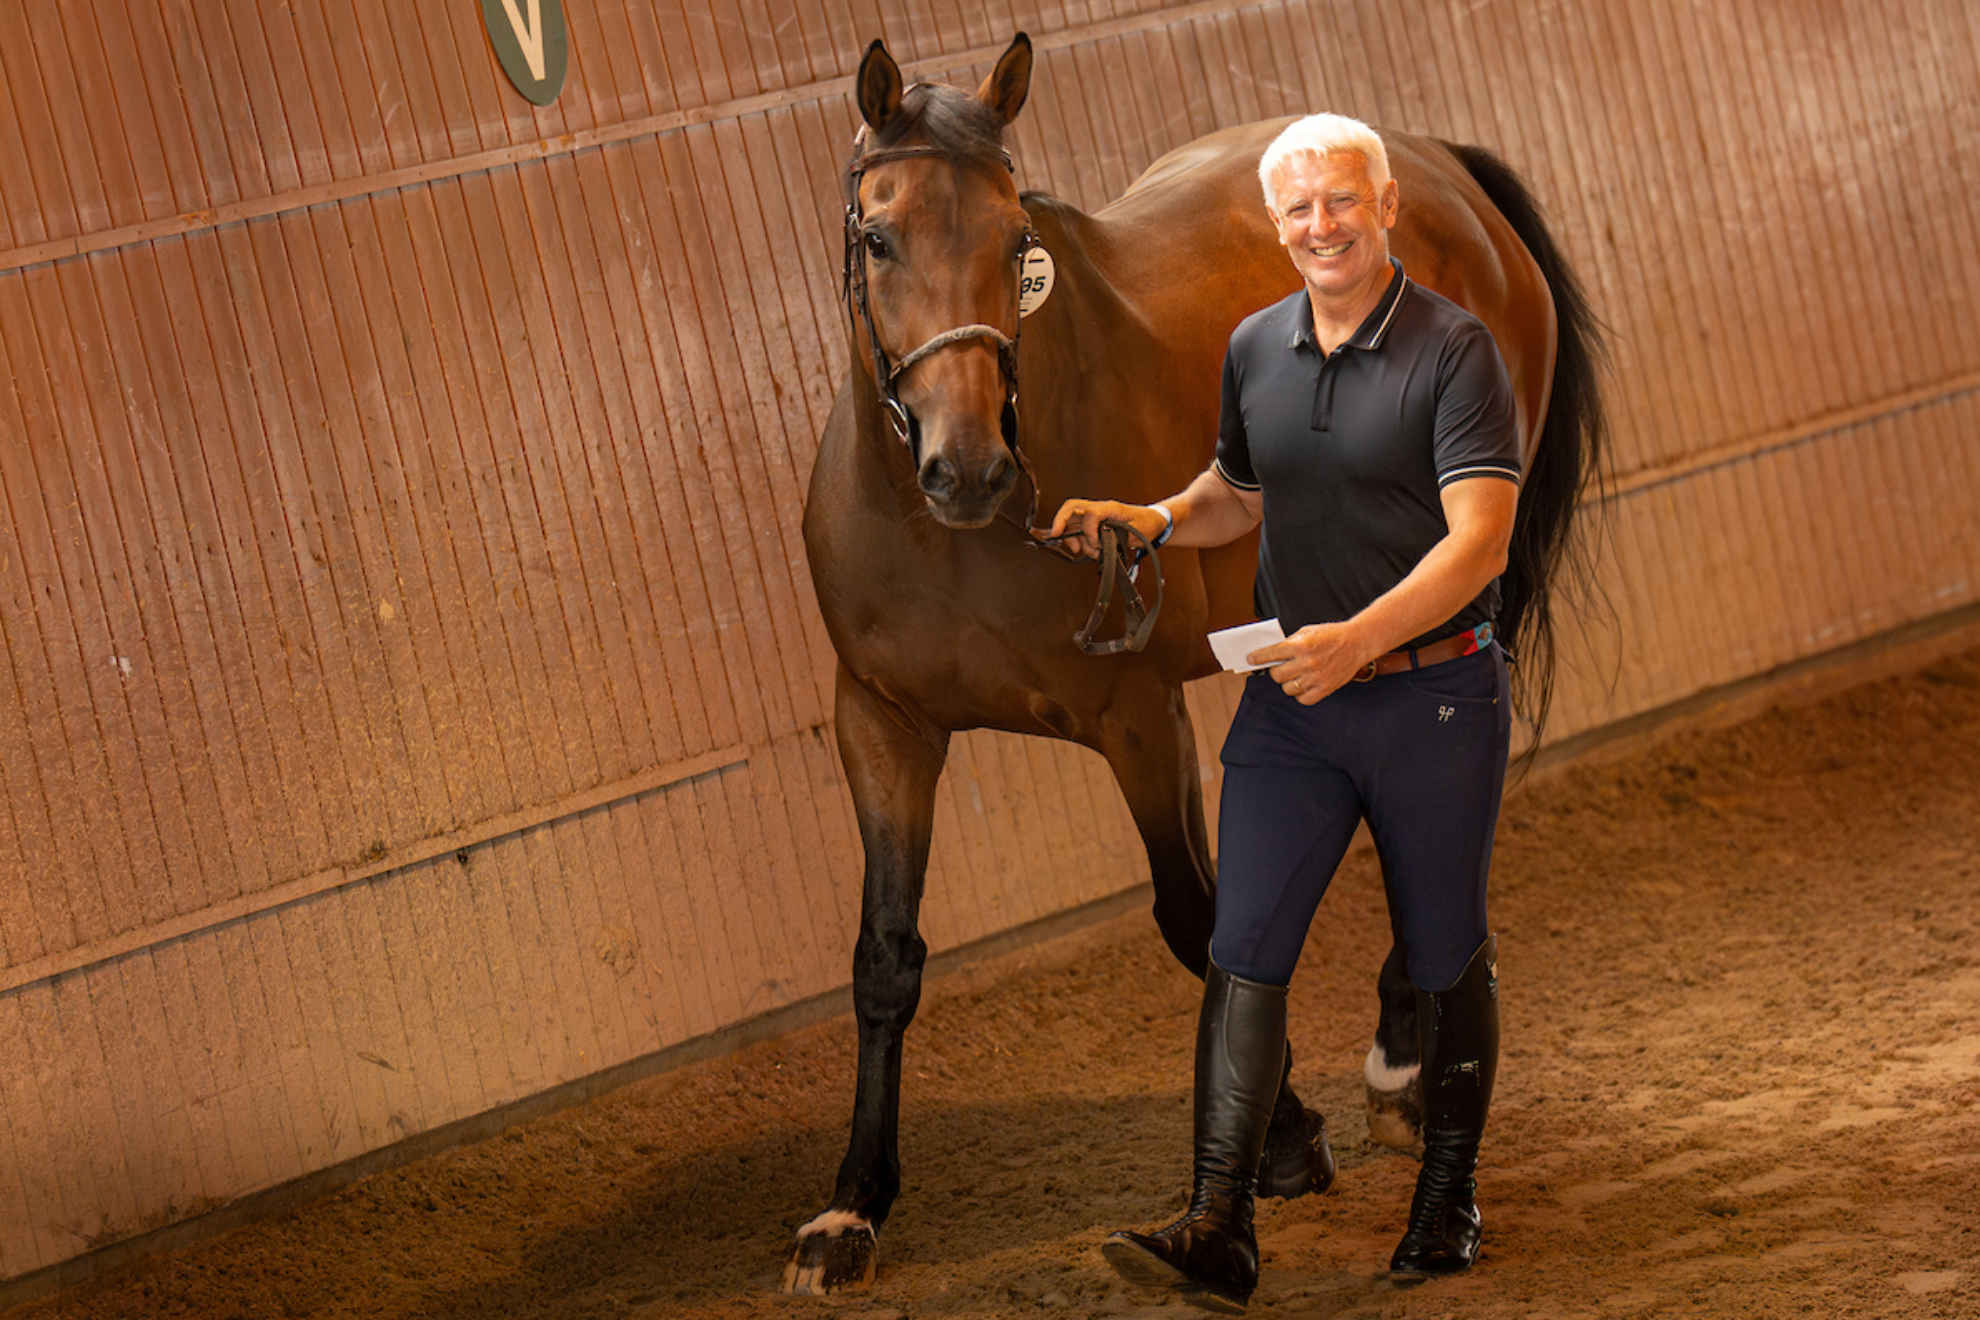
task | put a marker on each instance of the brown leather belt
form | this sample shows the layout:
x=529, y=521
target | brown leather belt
x=1422, y=657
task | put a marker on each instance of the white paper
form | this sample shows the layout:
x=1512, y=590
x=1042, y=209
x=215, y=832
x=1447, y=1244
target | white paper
x=1232, y=645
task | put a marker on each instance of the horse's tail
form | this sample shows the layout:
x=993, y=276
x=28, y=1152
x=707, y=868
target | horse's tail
x=1569, y=453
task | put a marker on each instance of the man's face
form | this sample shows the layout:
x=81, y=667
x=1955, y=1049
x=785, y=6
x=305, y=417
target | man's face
x=1333, y=223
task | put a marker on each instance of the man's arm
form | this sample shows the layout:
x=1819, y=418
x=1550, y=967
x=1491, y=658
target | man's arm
x=1321, y=657
x=1210, y=511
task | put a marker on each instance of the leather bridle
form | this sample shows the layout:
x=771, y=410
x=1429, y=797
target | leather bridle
x=886, y=372
x=1118, y=557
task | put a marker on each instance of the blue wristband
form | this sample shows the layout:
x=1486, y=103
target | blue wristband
x=1168, y=525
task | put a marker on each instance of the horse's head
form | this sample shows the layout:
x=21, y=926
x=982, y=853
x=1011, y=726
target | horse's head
x=934, y=241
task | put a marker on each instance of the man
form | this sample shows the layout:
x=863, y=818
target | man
x=1369, y=424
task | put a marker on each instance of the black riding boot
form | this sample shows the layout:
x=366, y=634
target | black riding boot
x=1459, y=1029
x=1209, y=1256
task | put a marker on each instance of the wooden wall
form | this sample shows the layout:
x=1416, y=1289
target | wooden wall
x=411, y=698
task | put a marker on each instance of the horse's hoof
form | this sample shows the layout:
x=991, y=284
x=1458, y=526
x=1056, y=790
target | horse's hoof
x=1298, y=1160
x=834, y=1252
x=1395, y=1118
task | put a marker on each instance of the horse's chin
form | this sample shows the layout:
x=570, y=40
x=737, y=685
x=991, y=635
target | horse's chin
x=965, y=515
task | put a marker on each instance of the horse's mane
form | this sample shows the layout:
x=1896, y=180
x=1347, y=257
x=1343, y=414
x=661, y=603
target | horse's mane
x=961, y=125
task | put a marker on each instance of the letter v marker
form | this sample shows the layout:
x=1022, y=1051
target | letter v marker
x=529, y=35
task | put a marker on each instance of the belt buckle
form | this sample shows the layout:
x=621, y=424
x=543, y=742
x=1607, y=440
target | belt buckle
x=1366, y=672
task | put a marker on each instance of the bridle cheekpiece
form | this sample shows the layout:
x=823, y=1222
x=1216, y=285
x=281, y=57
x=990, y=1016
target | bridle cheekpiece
x=887, y=372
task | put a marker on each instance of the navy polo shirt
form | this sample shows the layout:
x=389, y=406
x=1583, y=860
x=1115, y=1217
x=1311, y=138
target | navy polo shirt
x=1350, y=450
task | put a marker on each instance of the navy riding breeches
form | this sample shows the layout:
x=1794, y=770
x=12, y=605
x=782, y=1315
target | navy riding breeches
x=1421, y=755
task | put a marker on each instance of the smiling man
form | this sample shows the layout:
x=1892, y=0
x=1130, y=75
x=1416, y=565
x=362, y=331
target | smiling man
x=1369, y=425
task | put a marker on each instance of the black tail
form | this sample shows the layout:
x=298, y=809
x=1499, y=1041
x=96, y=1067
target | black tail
x=1569, y=454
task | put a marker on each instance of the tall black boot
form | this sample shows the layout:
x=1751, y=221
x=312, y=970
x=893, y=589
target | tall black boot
x=1210, y=1256
x=1459, y=1028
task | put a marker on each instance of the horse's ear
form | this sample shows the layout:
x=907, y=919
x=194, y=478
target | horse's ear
x=879, y=86
x=1009, y=83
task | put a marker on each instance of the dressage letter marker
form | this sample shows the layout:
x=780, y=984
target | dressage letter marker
x=529, y=39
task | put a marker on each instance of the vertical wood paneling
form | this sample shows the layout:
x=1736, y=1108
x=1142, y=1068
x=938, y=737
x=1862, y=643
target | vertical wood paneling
x=751, y=308
x=413, y=508
x=148, y=1096
x=567, y=377
x=139, y=648
x=1936, y=97
x=1832, y=590
x=488, y=927
x=686, y=712
x=176, y=665
x=386, y=546
x=489, y=419
x=404, y=958
x=547, y=615
x=275, y=495
x=105, y=1164
x=19, y=839
x=593, y=442
x=40, y=1152
x=423, y=499
x=366, y=1021
x=89, y=737
x=680, y=465
x=229, y=529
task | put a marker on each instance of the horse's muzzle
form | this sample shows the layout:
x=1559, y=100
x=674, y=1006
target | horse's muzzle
x=966, y=497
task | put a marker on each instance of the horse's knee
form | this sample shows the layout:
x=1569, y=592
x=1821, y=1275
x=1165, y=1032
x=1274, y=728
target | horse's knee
x=887, y=978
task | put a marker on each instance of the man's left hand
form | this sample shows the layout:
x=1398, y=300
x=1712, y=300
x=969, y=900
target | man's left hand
x=1313, y=661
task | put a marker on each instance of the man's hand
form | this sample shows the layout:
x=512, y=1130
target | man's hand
x=1314, y=661
x=1077, y=524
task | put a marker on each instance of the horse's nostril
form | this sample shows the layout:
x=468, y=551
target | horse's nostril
x=999, y=474
x=938, y=477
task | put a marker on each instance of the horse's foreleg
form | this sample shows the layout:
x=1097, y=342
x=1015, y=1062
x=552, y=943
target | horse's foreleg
x=892, y=760
x=1395, y=1097
x=1152, y=750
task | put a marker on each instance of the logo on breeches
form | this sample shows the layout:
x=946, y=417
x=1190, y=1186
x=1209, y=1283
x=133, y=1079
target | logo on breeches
x=1444, y=713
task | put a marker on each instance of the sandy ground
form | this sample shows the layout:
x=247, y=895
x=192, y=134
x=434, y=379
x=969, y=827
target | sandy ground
x=1741, y=980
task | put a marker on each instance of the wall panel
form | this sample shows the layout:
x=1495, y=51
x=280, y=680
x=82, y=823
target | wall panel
x=412, y=696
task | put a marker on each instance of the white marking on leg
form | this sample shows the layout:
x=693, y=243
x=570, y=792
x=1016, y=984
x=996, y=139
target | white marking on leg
x=1384, y=1076
x=804, y=1273
x=834, y=1222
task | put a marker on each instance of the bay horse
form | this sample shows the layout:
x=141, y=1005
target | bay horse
x=945, y=614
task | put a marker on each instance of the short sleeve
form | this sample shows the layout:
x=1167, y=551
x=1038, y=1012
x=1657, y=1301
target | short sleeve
x=1233, y=462
x=1477, y=428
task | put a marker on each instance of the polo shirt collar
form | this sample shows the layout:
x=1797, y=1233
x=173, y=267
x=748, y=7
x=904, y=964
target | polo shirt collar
x=1372, y=330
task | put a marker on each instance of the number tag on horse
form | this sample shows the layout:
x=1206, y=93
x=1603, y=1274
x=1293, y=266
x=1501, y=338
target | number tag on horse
x=1034, y=280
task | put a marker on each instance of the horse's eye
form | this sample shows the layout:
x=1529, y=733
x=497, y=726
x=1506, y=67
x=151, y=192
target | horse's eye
x=876, y=245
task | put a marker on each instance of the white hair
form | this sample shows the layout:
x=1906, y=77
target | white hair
x=1324, y=135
